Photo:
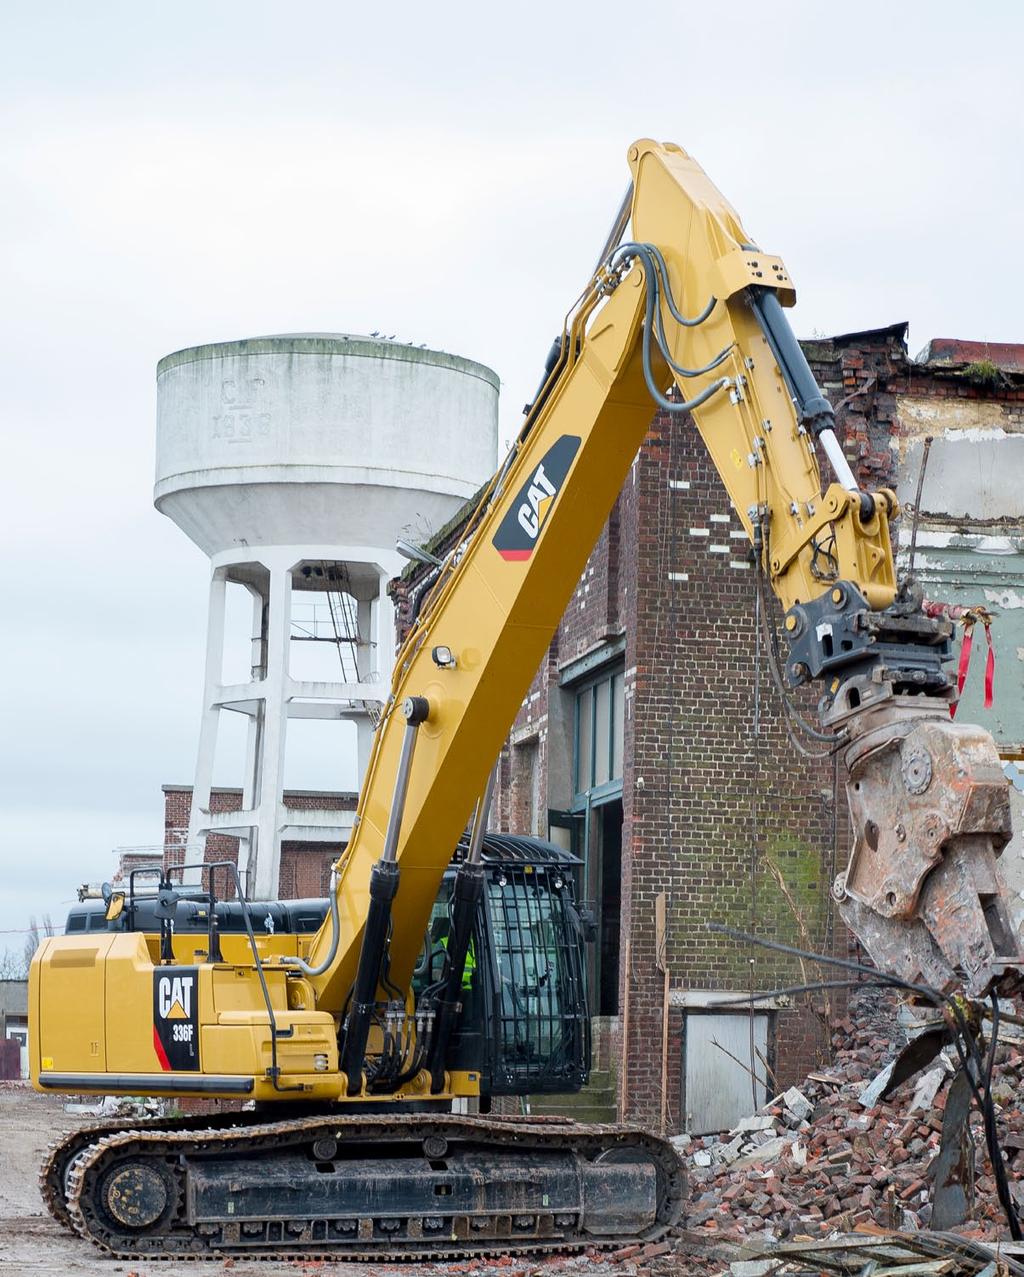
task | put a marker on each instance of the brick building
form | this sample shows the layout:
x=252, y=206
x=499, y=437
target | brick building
x=305, y=864
x=651, y=740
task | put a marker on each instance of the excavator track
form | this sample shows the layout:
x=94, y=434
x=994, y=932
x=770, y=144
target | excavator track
x=63, y=1151
x=369, y=1188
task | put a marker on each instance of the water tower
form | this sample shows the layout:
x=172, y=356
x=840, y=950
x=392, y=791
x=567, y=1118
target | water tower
x=295, y=462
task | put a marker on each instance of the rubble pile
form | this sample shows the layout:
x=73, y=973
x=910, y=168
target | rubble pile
x=830, y=1156
x=116, y=1106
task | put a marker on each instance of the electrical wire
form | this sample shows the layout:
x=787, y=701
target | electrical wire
x=925, y=991
x=792, y=990
x=821, y=548
x=991, y=1133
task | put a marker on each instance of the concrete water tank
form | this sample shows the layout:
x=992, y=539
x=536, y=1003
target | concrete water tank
x=295, y=463
x=297, y=439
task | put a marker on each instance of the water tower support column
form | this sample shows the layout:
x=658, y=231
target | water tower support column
x=196, y=845
x=263, y=885
x=254, y=735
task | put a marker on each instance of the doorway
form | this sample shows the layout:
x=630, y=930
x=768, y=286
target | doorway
x=604, y=888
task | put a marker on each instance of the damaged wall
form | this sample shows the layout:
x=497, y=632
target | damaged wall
x=969, y=397
x=971, y=534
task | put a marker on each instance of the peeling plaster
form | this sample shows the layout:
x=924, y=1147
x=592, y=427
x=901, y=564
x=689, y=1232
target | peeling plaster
x=928, y=415
x=994, y=545
x=926, y=539
x=973, y=475
x=978, y=542
x=973, y=434
x=1008, y=600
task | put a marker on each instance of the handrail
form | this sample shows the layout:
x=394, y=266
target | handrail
x=275, y=1032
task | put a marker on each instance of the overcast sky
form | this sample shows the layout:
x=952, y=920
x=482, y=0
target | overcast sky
x=179, y=173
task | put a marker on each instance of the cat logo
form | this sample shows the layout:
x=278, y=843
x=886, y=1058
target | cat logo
x=175, y=997
x=176, y=1018
x=518, y=532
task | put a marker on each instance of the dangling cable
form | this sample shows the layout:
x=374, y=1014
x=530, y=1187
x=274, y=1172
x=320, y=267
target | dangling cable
x=836, y=742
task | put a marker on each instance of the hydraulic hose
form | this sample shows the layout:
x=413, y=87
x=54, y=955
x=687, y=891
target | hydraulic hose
x=671, y=405
x=649, y=253
x=299, y=963
x=656, y=274
x=383, y=888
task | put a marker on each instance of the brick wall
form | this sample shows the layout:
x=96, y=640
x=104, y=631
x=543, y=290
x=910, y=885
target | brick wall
x=861, y=374
x=306, y=869
x=716, y=805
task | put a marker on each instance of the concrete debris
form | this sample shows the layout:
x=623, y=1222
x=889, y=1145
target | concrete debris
x=729, y=1152
x=797, y=1104
x=118, y=1106
x=760, y=1154
x=757, y=1122
x=927, y=1088
x=868, y=1098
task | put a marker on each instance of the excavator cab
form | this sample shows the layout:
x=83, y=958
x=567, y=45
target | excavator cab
x=524, y=1025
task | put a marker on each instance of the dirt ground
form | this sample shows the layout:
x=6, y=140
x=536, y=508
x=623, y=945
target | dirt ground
x=32, y=1243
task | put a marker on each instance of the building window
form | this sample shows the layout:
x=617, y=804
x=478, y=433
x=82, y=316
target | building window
x=596, y=819
x=599, y=734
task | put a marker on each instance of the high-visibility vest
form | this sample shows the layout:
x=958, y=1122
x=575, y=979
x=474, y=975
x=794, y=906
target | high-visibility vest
x=470, y=965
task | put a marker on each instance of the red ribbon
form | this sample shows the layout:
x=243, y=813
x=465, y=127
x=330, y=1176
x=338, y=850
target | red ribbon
x=965, y=660
x=990, y=666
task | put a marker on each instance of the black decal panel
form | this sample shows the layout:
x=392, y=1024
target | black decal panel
x=520, y=529
x=176, y=1018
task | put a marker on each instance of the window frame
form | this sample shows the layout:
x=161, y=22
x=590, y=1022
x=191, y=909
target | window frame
x=591, y=794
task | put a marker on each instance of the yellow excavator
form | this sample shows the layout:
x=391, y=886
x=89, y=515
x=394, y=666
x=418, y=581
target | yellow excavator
x=371, y=1047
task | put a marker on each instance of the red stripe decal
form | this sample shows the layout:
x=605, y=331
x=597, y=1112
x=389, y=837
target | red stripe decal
x=161, y=1054
x=515, y=554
